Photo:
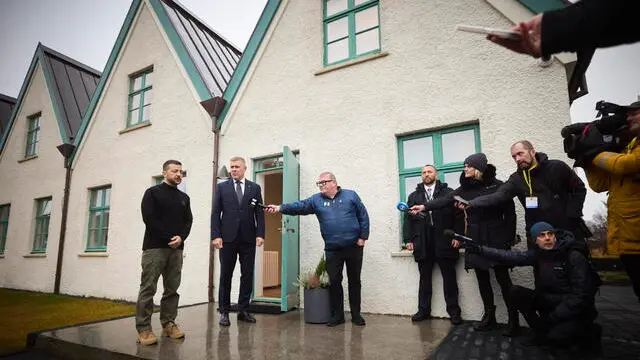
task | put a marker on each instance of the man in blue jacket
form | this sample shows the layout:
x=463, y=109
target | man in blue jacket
x=344, y=225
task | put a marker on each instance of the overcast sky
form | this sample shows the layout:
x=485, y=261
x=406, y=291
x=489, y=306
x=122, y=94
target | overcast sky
x=86, y=30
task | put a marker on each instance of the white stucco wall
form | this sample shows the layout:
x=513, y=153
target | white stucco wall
x=180, y=130
x=347, y=120
x=24, y=182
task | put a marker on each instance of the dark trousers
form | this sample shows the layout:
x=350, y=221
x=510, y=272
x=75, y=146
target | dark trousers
x=631, y=264
x=484, y=285
x=536, y=312
x=449, y=282
x=230, y=252
x=336, y=259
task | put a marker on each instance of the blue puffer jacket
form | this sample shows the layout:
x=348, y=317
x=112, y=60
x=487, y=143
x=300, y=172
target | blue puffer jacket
x=343, y=219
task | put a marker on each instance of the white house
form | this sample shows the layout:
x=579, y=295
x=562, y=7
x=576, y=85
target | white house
x=369, y=89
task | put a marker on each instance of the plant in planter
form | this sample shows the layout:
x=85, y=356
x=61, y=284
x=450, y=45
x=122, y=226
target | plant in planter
x=317, y=305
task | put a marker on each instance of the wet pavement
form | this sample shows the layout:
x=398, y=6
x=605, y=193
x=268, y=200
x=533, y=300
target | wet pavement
x=284, y=336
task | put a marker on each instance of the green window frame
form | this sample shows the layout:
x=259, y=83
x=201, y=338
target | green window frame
x=140, y=96
x=99, y=210
x=41, y=227
x=5, y=210
x=351, y=29
x=33, y=135
x=445, y=149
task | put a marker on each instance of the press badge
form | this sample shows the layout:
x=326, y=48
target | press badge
x=531, y=202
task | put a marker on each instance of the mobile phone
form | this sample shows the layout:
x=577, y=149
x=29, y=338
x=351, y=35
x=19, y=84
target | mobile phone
x=503, y=34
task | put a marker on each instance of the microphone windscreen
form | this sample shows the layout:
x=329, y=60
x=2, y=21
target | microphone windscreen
x=402, y=206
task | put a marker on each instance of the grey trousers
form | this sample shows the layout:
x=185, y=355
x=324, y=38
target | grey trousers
x=156, y=262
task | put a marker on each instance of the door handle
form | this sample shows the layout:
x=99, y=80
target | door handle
x=291, y=229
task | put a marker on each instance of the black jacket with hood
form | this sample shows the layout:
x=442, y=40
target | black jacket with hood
x=564, y=283
x=493, y=226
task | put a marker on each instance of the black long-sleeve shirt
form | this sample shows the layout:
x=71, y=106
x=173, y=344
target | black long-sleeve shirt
x=166, y=212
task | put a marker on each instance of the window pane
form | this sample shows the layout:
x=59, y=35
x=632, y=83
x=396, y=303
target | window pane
x=337, y=51
x=453, y=179
x=367, y=41
x=358, y=2
x=105, y=219
x=457, y=146
x=137, y=83
x=107, y=196
x=93, y=238
x=147, y=97
x=134, y=117
x=135, y=101
x=410, y=184
x=338, y=29
x=418, y=152
x=103, y=239
x=46, y=207
x=335, y=6
x=146, y=113
x=366, y=19
x=147, y=80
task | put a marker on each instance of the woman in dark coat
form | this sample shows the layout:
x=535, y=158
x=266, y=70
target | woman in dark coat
x=492, y=226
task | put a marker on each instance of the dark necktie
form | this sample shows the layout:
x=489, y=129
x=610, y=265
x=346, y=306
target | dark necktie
x=429, y=196
x=239, y=192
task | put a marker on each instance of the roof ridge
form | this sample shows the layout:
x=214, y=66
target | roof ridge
x=49, y=51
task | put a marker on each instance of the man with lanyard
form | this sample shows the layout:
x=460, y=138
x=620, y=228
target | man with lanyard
x=549, y=190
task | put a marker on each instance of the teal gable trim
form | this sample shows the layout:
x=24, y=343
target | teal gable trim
x=106, y=74
x=248, y=55
x=181, y=50
x=53, y=93
x=538, y=6
x=23, y=90
x=38, y=58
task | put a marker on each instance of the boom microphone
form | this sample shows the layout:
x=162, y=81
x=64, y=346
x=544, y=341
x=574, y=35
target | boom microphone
x=255, y=203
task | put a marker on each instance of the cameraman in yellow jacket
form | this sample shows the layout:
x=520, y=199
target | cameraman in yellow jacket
x=619, y=174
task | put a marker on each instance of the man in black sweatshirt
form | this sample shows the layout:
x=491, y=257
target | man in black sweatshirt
x=166, y=212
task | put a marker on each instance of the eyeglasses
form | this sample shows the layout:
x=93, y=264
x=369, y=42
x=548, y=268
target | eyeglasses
x=322, y=183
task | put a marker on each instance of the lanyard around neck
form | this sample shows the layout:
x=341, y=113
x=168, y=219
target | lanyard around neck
x=527, y=178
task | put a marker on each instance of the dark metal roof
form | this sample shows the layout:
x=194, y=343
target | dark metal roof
x=214, y=57
x=73, y=85
x=6, y=105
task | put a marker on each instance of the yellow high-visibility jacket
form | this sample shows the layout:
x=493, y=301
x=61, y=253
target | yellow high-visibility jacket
x=619, y=173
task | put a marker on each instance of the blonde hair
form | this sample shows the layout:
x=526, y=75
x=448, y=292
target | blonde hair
x=238, y=158
x=333, y=177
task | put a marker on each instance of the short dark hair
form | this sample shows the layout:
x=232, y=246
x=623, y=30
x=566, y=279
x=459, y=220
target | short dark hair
x=429, y=165
x=170, y=162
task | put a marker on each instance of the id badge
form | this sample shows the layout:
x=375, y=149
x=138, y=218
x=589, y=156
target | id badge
x=531, y=202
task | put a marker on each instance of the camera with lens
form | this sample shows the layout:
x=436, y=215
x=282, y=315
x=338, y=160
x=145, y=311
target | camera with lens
x=583, y=141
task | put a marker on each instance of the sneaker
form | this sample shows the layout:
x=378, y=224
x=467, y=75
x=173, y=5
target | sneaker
x=147, y=337
x=172, y=330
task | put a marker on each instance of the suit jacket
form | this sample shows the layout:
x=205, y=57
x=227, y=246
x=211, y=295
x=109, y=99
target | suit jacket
x=230, y=219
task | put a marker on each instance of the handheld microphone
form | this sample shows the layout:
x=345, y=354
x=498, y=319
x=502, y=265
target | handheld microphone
x=450, y=234
x=255, y=203
x=404, y=207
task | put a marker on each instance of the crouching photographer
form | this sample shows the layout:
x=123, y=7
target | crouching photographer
x=561, y=309
x=614, y=166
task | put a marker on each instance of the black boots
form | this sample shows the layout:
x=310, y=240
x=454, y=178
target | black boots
x=513, y=325
x=488, y=321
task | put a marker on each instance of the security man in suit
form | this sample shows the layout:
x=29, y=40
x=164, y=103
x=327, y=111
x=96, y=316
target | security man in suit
x=237, y=228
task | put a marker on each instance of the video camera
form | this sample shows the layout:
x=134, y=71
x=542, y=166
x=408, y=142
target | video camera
x=583, y=141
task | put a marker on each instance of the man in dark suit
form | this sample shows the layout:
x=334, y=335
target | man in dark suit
x=236, y=229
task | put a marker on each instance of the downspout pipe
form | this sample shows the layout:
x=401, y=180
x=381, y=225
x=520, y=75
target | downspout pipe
x=66, y=150
x=214, y=107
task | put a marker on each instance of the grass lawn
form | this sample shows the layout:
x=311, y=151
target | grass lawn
x=23, y=312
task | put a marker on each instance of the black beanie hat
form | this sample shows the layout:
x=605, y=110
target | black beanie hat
x=477, y=161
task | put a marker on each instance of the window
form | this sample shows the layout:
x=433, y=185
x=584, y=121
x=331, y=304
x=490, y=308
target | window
x=33, y=136
x=445, y=149
x=4, y=224
x=99, y=208
x=351, y=29
x=41, y=231
x=140, y=96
